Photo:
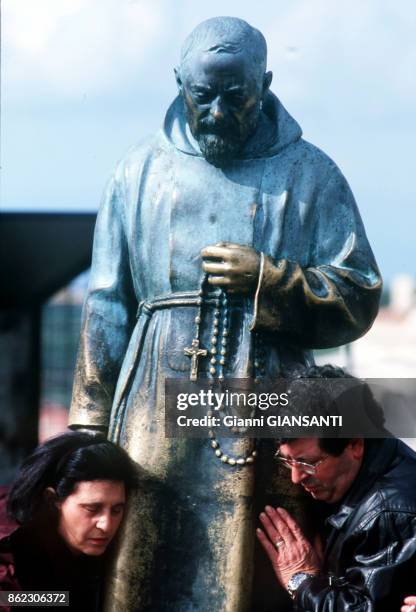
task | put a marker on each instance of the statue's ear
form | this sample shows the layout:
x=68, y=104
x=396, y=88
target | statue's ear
x=267, y=79
x=178, y=79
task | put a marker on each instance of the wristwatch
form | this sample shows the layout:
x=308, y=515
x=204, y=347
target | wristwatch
x=295, y=582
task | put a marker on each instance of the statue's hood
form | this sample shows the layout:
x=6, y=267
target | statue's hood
x=281, y=127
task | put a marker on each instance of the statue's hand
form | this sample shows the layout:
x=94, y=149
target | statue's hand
x=233, y=267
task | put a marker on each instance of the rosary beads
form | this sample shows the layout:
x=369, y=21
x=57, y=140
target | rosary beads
x=218, y=354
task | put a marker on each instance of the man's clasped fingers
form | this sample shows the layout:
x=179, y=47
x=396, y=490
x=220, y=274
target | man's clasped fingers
x=274, y=536
x=280, y=525
x=286, y=546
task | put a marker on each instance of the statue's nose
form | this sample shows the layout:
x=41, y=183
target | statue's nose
x=217, y=108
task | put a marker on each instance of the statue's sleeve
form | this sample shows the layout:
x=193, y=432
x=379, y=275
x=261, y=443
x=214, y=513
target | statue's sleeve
x=334, y=298
x=108, y=315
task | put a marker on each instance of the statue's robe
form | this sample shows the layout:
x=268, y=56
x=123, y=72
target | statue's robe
x=189, y=536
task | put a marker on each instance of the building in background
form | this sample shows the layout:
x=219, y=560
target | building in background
x=61, y=322
x=39, y=254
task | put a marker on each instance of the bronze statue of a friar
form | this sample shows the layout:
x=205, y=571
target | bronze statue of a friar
x=226, y=246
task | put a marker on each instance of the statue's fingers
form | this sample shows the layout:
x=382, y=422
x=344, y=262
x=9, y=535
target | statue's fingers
x=214, y=268
x=219, y=281
x=215, y=252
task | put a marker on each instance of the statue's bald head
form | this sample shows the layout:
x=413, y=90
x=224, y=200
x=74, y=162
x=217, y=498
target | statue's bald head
x=226, y=35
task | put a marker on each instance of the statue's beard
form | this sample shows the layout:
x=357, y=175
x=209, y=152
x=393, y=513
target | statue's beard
x=222, y=141
x=219, y=150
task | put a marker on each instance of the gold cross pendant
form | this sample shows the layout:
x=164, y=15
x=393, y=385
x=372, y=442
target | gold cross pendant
x=194, y=352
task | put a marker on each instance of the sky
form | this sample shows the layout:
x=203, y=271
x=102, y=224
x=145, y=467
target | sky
x=83, y=80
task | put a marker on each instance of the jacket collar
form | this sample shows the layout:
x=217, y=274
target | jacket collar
x=379, y=454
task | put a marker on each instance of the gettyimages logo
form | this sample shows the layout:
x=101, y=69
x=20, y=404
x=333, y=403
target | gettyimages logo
x=342, y=407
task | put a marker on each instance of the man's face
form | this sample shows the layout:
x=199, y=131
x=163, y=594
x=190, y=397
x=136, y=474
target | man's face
x=90, y=516
x=222, y=94
x=333, y=476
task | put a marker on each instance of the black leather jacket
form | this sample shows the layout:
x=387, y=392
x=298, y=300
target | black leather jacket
x=370, y=555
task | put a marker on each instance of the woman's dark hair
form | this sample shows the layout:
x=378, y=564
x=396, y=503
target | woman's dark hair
x=61, y=463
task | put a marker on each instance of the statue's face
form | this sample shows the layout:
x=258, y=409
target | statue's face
x=222, y=94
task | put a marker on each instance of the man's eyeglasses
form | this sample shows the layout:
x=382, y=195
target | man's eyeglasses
x=308, y=468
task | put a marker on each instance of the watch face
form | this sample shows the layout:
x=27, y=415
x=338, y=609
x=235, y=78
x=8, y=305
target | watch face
x=295, y=582
x=297, y=579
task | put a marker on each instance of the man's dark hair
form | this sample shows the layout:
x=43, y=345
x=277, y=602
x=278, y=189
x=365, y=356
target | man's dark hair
x=320, y=399
x=61, y=463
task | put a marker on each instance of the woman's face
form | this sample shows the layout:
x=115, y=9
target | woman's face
x=90, y=516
